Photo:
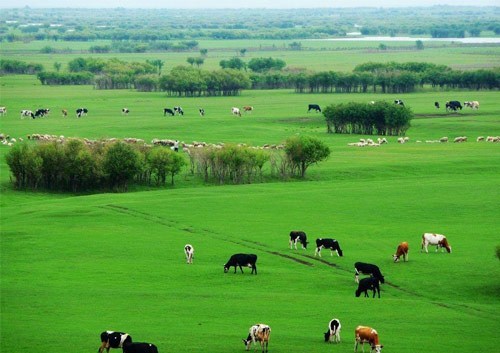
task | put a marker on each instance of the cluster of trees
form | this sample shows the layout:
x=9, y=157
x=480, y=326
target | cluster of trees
x=75, y=166
x=241, y=164
x=380, y=118
x=8, y=66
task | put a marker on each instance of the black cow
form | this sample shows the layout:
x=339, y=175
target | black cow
x=238, y=260
x=315, y=107
x=178, y=110
x=298, y=236
x=367, y=269
x=399, y=102
x=168, y=111
x=40, y=113
x=112, y=339
x=436, y=104
x=139, y=347
x=202, y=111
x=370, y=283
x=327, y=243
x=453, y=106
x=81, y=111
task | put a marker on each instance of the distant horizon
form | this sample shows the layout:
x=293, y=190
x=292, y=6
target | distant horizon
x=240, y=4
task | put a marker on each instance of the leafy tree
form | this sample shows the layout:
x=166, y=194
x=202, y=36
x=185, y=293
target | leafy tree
x=121, y=163
x=303, y=151
x=420, y=45
x=57, y=66
x=233, y=63
x=203, y=52
x=265, y=64
x=191, y=60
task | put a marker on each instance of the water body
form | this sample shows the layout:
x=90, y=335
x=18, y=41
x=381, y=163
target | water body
x=469, y=40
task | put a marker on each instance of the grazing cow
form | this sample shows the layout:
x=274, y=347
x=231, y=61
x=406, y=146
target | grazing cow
x=365, y=334
x=64, y=112
x=327, y=243
x=399, y=102
x=81, y=112
x=27, y=113
x=369, y=283
x=40, y=113
x=453, y=106
x=436, y=104
x=314, y=107
x=235, y=111
x=472, y=104
x=435, y=239
x=168, y=111
x=113, y=339
x=178, y=111
x=402, y=250
x=298, y=236
x=189, y=251
x=238, y=260
x=125, y=111
x=202, y=111
x=367, y=269
x=333, y=332
x=247, y=108
x=3, y=111
x=258, y=333
x=139, y=347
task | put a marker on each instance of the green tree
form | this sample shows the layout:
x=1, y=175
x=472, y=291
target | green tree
x=121, y=164
x=57, y=66
x=420, y=45
x=303, y=151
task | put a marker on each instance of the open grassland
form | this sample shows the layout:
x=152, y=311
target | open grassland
x=75, y=265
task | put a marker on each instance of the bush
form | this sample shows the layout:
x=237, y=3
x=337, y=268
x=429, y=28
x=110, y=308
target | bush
x=303, y=151
x=120, y=164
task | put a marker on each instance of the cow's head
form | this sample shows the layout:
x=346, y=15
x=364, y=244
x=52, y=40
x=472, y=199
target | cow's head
x=358, y=293
x=377, y=348
x=395, y=258
x=381, y=279
x=247, y=342
x=339, y=252
x=327, y=336
x=304, y=244
x=226, y=268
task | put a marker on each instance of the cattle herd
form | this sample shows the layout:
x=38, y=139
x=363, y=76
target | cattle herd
x=260, y=333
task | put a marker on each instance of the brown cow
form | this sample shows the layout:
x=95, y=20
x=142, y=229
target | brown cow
x=365, y=334
x=247, y=108
x=402, y=250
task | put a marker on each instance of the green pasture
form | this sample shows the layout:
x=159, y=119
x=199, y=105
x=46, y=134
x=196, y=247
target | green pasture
x=316, y=55
x=73, y=266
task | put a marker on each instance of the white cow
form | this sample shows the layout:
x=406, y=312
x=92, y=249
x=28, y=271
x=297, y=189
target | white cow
x=435, y=239
x=236, y=111
x=189, y=251
x=258, y=333
x=3, y=111
x=472, y=104
x=27, y=113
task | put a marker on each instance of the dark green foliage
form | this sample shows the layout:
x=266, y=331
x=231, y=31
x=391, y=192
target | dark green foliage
x=120, y=164
x=163, y=162
x=265, y=64
x=303, y=151
x=8, y=66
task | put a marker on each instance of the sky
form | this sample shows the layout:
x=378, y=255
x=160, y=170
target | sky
x=217, y=4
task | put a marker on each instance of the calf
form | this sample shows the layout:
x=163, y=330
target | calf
x=238, y=260
x=189, y=251
x=258, y=333
x=402, y=250
x=125, y=111
x=168, y=111
x=333, y=332
x=327, y=243
x=139, y=347
x=435, y=239
x=367, y=269
x=314, y=107
x=298, y=236
x=113, y=339
x=369, y=283
x=365, y=334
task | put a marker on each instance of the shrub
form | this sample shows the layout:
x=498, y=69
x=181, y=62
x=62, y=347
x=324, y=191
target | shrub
x=120, y=164
x=303, y=151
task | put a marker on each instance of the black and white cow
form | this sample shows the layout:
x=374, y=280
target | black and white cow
x=238, y=260
x=139, y=347
x=27, y=113
x=399, y=102
x=81, y=112
x=367, y=269
x=327, y=243
x=333, y=332
x=125, y=111
x=178, y=110
x=113, y=339
x=453, y=106
x=189, y=252
x=298, y=236
x=436, y=104
x=314, y=107
x=202, y=111
x=168, y=111
x=3, y=111
x=40, y=113
x=366, y=284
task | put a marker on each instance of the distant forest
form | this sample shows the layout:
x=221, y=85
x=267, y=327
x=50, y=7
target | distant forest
x=152, y=25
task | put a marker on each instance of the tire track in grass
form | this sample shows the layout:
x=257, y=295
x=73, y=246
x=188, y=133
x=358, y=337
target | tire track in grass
x=263, y=247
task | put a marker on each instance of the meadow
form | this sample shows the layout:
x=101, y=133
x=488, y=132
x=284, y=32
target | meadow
x=73, y=266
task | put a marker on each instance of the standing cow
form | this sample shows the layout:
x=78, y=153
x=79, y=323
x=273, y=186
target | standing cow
x=365, y=334
x=238, y=260
x=113, y=339
x=333, y=332
x=139, y=347
x=314, y=107
x=435, y=239
x=235, y=111
x=367, y=269
x=258, y=333
x=328, y=243
x=189, y=252
x=366, y=284
x=298, y=236
x=402, y=250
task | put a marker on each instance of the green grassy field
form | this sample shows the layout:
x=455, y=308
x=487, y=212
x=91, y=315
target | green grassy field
x=73, y=266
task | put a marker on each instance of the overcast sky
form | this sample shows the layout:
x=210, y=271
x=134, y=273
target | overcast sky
x=237, y=3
